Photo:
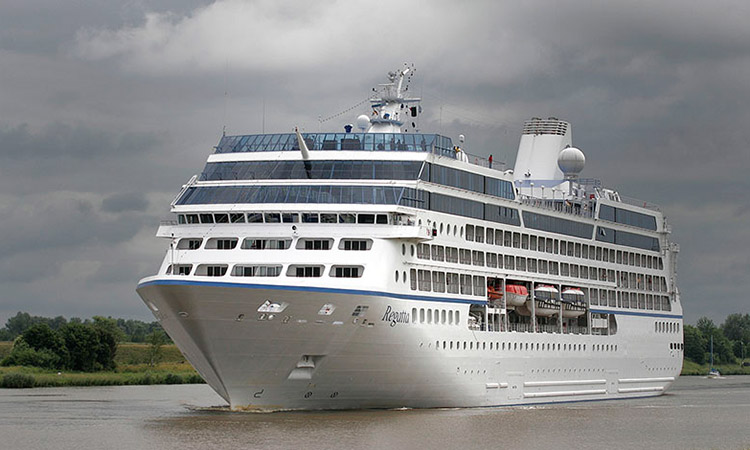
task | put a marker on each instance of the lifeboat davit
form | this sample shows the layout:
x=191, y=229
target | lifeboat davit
x=516, y=295
x=573, y=302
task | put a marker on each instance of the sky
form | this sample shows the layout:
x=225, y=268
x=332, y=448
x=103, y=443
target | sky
x=107, y=108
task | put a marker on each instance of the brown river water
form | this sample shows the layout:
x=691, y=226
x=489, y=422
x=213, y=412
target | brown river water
x=697, y=413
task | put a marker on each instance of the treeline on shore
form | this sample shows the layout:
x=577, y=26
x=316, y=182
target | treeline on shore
x=77, y=345
x=125, y=330
x=100, y=351
x=731, y=340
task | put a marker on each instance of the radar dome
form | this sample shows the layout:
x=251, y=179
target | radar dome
x=571, y=161
x=363, y=122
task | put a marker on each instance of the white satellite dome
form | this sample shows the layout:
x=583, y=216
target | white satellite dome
x=363, y=122
x=571, y=161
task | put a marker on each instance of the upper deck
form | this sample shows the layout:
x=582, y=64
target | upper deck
x=396, y=142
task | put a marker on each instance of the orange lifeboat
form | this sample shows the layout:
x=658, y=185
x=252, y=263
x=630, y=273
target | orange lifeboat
x=516, y=295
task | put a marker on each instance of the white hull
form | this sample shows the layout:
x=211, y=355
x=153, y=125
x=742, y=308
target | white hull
x=369, y=363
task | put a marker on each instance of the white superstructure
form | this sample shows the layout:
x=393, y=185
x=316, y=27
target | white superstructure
x=388, y=268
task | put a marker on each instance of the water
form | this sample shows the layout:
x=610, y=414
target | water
x=697, y=413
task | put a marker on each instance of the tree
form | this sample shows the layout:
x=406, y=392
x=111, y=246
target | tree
x=82, y=342
x=736, y=327
x=695, y=344
x=706, y=326
x=156, y=339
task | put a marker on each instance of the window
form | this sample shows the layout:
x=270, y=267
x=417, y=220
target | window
x=221, y=218
x=491, y=260
x=424, y=280
x=423, y=251
x=465, y=256
x=452, y=283
x=314, y=244
x=346, y=271
x=180, y=269
x=207, y=218
x=290, y=217
x=256, y=271
x=305, y=271
x=451, y=254
x=366, y=218
x=478, y=258
x=347, y=218
x=211, y=270
x=438, y=253
x=266, y=244
x=221, y=243
x=480, y=288
x=355, y=244
x=310, y=218
x=470, y=232
x=189, y=243
x=438, y=281
x=328, y=218
x=254, y=218
x=272, y=217
x=466, y=286
x=413, y=279
x=237, y=217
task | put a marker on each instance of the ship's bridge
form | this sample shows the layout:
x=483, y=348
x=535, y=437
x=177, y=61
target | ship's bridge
x=396, y=142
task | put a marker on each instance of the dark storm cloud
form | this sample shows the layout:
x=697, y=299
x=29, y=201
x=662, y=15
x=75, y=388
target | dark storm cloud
x=107, y=109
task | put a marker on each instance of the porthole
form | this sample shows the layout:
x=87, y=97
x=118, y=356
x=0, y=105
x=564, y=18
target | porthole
x=404, y=276
x=412, y=250
x=396, y=276
x=441, y=228
x=403, y=249
x=454, y=230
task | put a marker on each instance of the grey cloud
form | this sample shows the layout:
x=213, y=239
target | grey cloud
x=128, y=201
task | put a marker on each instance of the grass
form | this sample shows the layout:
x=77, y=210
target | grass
x=691, y=368
x=132, y=369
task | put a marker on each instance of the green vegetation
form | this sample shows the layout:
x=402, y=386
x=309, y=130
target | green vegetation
x=124, y=330
x=731, y=345
x=101, y=351
x=133, y=367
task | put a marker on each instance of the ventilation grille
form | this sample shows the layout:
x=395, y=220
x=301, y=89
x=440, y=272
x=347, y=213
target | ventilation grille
x=548, y=126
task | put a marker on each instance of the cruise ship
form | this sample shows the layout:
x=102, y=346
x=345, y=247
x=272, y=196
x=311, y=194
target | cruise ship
x=382, y=267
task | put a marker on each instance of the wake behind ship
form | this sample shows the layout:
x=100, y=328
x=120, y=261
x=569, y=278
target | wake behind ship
x=383, y=267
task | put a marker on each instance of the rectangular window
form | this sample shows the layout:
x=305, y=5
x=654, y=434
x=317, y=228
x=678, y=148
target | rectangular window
x=425, y=280
x=355, y=244
x=480, y=288
x=470, y=233
x=207, y=218
x=491, y=260
x=237, y=217
x=413, y=279
x=478, y=258
x=290, y=217
x=254, y=218
x=423, y=251
x=216, y=271
x=314, y=244
x=466, y=286
x=479, y=234
x=346, y=271
x=438, y=253
x=451, y=254
x=328, y=218
x=256, y=271
x=438, y=282
x=305, y=271
x=465, y=256
x=452, y=283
